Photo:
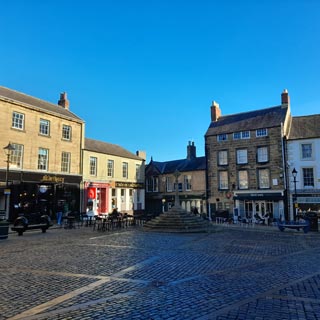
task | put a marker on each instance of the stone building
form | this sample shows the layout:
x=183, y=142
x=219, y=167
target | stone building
x=113, y=177
x=45, y=165
x=160, y=183
x=245, y=161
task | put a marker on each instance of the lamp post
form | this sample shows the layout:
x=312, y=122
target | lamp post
x=8, y=149
x=163, y=204
x=294, y=174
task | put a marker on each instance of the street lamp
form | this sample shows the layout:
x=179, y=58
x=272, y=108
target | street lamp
x=8, y=149
x=294, y=174
x=163, y=204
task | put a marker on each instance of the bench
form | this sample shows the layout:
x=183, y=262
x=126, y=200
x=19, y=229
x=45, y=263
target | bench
x=21, y=225
x=305, y=226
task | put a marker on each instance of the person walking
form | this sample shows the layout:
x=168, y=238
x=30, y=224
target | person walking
x=59, y=213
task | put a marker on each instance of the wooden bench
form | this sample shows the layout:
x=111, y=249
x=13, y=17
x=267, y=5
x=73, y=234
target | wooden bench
x=305, y=226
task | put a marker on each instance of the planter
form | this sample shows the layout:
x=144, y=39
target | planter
x=4, y=229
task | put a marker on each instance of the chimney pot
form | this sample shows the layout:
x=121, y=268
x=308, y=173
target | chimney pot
x=64, y=102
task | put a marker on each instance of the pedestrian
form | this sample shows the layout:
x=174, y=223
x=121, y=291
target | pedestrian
x=59, y=213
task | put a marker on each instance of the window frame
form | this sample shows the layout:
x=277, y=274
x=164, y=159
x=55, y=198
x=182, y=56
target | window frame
x=93, y=166
x=16, y=156
x=110, y=168
x=65, y=161
x=305, y=178
x=187, y=182
x=223, y=180
x=222, y=137
x=18, y=120
x=66, y=132
x=44, y=127
x=243, y=182
x=259, y=154
x=264, y=182
x=311, y=157
x=223, y=160
x=239, y=156
x=43, y=156
x=125, y=170
x=262, y=132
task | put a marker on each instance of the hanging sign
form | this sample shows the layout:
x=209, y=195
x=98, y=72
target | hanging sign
x=91, y=193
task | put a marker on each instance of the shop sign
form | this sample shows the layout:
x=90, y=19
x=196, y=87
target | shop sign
x=308, y=199
x=54, y=179
x=133, y=185
x=92, y=193
x=7, y=191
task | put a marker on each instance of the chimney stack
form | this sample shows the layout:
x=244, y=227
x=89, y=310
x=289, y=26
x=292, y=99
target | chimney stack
x=215, y=111
x=285, y=99
x=191, y=151
x=64, y=102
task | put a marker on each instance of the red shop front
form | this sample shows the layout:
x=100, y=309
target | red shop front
x=96, y=197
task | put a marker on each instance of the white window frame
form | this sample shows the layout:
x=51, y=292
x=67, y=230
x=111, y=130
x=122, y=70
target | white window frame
x=169, y=184
x=243, y=179
x=223, y=180
x=152, y=184
x=223, y=158
x=17, y=120
x=308, y=179
x=264, y=178
x=65, y=161
x=187, y=182
x=43, y=157
x=110, y=168
x=241, y=135
x=93, y=166
x=138, y=171
x=262, y=154
x=303, y=152
x=44, y=127
x=125, y=169
x=242, y=156
x=16, y=157
x=262, y=132
x=222, y=137
x=66, y=132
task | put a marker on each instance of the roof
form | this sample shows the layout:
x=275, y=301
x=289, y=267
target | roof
x=18, y=97
x=182, y=165
x=305, y=127
x=108, y=148
x=252, y=120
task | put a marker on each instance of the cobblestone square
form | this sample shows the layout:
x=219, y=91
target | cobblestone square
x=229, y=273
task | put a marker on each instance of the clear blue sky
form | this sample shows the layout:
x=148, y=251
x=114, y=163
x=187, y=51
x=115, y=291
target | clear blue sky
x=143, y=74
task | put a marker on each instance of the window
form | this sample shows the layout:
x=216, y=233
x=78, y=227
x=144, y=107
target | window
x=66, y=132
x=44, y=127
x=243, y=179
x=123, y=195
x=306, y=151
x=187, y=182
x=262, y=154
x=65, y=161
x=43, y=159
x=110, y=168
x=93, y=166
x=223, y=179
x=138, y=167
x=169, y=184
x=264, y=178
x=308, y=177
x=261, y=132
x=125, y=170
x=222, y=137
x=242, y=156
x=16, y=156
x=241, y=135
x=152, y=184
x=223, y=158
x=17, y=120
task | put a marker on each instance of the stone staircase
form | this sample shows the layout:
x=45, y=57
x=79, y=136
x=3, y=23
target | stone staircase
x=178, y=220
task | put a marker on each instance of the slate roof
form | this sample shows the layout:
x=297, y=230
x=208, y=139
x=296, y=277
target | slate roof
x=108, y=148
x=252, y=120
x=305, y=127
x=18, y=97
x=182, y=165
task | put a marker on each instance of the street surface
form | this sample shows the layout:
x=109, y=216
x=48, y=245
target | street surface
x=231, y=273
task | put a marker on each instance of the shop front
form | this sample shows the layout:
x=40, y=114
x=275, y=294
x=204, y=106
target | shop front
x=260, y=206
x=96, y=197
x=36, y=192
